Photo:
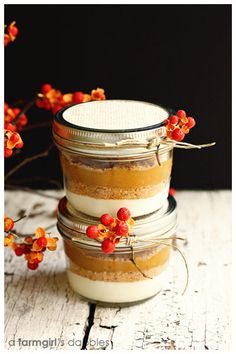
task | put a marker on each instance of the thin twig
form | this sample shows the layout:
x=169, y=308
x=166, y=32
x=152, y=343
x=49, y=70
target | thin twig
x=37, y=126
x=29, y=159
x=134, y=262
x=185, y=262
x=157, y=155
x=25, y=109
x=22, y=217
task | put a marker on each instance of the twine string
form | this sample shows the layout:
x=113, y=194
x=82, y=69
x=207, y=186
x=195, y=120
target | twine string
x=144, y=143
x=131, y=239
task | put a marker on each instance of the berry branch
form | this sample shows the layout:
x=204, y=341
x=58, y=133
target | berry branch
x=32, y=247
x=111, y=230
x=44, y=153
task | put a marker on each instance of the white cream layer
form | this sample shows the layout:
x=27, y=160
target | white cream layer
x=97, y=207
x=119, y=292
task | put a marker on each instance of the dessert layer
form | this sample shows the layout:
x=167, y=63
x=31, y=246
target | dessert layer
x=97, y=262
x=138, y=205
x=109, y=192
x=115, y=174
x=117, y=276
x=115, y=291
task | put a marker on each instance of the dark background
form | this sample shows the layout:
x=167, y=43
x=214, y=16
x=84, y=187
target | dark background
x=176, y=55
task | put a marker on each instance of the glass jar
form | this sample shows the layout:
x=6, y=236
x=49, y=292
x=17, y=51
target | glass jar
x=133, y=272
x=105, y=169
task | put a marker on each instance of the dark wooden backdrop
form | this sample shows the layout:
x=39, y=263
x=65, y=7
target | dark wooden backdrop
x=176, y=55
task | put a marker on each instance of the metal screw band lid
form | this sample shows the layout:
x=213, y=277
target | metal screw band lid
x=71, y=222
x=80, y=126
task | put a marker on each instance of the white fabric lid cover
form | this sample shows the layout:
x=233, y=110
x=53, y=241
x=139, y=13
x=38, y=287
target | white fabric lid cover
x=109, y=121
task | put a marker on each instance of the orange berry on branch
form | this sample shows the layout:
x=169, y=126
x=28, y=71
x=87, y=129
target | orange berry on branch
x=6, y=40
x=174, y=119
x=52, y=243
x=6, y=107
x=181, y=113
x=7, y=152
x=13, y=30
x=46, y=88
x=108, y=246
x=178, y=134
x=32, y=266
x=191, y=122
x=42, y=241
x=78, y=97
x=40, y=232
x=8, y=224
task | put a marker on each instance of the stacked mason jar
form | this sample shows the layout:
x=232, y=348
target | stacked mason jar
x=113, y=155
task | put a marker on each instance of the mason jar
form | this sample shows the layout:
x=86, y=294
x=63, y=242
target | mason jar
x=135, y=271
x=112, y=155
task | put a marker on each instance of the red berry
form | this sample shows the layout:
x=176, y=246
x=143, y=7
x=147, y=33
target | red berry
x=10, y=127
x=106, y=219
x=123, y=214
x=39, y=103
x=121, y=229
x=8, y=224
x=25, y=248
x=174, y=119
x=78, y=97
x=191, y=122
x=16, y=111
x=6, y=107
x=7, y=152
x=178, y=134
x=32, y=266
x=108, y=246
x=14, y=138
x=36, y=260
x=19, y=145
x=56, y=108
x=46, y=88
x=166, y=121
x=19, y=251
x=47, y=105
x=92, y=231
x=181, y=114
x=23, y=120
x=6, y=40
x=172, y=192
x=13, y=30
x=42, y=241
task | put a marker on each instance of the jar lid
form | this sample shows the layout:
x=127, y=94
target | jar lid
x=108, y=122
x=72, y=224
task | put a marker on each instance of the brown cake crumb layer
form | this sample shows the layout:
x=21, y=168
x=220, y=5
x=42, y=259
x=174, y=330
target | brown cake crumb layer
x=134, y=180
x=114, y=192
x=117, y=266
x=117, y=276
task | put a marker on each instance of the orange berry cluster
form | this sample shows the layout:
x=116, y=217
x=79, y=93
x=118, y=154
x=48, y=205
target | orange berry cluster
x=12, y=32
x=111, y=230
x=54, y=100
x=32, y=248
x=13, y=123
x=13, y=120
x=11, y=140
x=179, y=125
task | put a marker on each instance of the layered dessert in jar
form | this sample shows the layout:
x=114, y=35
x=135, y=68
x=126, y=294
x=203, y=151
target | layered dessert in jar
x=98, y=185
x=101, y=172
x=128, y=274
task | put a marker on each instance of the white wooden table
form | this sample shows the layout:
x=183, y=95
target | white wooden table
x=42, y=310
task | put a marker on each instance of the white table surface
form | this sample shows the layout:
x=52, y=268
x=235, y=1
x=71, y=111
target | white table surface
x=40, y=306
